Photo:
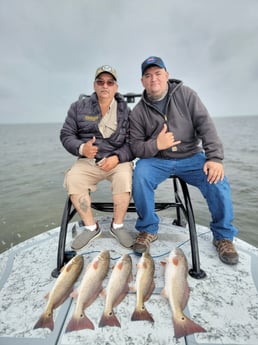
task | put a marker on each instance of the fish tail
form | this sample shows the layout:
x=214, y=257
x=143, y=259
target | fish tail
x=45, y=321
x=76, y=324
x=141, y=314
x=184, y=326
x=109, y=320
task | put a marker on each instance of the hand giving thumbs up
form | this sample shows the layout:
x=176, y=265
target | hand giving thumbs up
x=89, y=149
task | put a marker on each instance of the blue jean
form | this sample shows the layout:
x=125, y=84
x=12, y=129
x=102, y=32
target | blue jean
x=150, y=172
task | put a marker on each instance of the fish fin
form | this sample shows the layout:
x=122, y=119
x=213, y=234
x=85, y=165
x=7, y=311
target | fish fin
x=76, y=324
x=74, y=293
x=45, y=321
x=184, y=326
x=132, y=289
x=163, y=293
x=130, y=279
x=103, y=293
x=109, y=319
x=141, y=314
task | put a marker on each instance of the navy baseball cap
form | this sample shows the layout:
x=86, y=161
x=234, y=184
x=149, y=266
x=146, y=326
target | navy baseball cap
x=152, y=61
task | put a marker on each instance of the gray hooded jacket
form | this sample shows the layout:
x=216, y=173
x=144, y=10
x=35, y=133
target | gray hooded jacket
x=185, y=116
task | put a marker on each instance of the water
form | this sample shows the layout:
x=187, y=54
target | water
x=33, y=162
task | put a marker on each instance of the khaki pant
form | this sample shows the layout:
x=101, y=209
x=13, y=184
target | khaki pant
x=84, y=175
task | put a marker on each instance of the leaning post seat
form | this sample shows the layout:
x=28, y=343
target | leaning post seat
x=182, y=207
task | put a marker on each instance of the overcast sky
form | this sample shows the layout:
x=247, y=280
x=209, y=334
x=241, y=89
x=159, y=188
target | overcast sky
x=50, y=50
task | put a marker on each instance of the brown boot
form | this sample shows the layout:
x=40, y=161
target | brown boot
x=227, y=252
x=143, y=241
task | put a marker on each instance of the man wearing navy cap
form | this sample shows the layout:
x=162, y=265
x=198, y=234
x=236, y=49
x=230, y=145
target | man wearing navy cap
x=172, y=133
x=152, y=61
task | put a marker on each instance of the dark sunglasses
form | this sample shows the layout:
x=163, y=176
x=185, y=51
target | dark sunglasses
x=101, y=82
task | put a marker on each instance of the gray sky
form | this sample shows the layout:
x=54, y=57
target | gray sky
x=50, y=50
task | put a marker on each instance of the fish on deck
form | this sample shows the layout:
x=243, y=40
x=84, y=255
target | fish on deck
x=144, y=287
x=177, y=291
x=88, y=291
x=60, y=291
x=117, y=289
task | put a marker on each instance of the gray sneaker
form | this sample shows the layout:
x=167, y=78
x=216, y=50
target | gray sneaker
x=122, y=235
x=85, y=237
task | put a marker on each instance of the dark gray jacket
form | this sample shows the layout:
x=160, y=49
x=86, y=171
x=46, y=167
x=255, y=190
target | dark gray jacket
x=81, y=124
x=185, y=116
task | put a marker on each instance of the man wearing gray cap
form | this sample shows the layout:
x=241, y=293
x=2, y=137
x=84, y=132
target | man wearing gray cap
x=172, y=133
x=96, y=131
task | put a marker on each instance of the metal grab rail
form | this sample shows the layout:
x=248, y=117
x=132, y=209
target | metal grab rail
x=185, y=207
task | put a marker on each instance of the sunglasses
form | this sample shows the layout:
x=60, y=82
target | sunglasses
x=101, y=82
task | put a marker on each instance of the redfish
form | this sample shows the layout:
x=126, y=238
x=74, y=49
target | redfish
x=60, y=291
x=117, y=289
x=144, y=287
x=177, y=291
x=88, y=291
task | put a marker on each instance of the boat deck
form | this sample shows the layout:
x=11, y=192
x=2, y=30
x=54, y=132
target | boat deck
x=225, y=303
